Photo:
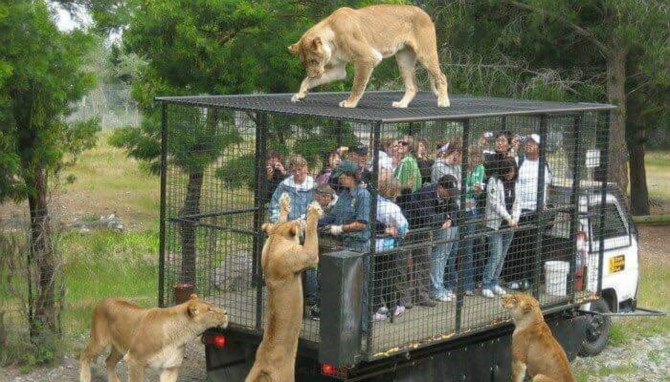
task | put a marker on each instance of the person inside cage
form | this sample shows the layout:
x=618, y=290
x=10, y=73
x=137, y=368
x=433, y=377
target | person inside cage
x=474, y=186
x=502, y=215
x=492, y=159
x=275, y=172
x=448, y=162
x=331, y=160
x=523, y=246
x=408, y=172
x=390, y=266
x=388, y=155
x=348, y=219
x=359, y=155
x=299, y=186
x=326, y=196
x=434, y=207
x=423, y=160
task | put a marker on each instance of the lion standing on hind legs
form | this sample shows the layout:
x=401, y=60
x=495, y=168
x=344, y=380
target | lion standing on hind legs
x=283, y=260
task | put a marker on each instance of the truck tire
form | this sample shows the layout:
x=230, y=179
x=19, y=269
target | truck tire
x=597, y=330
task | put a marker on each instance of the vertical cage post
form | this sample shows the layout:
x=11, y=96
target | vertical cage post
x=462, y=223
x=372, y=223
x=540, y=207
x=259, y=202
x=604, y=164
x=161, y=243
x=577, y=161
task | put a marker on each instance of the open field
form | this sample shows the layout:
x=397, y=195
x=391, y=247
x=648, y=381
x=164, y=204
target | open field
x=102, y=263
x=658, y=181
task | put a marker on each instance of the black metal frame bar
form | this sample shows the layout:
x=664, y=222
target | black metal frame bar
x=372, y=222
x=462, y=217
x=259, y=195
x=604, y=163
x=574, y=200
x=161, y=243
x=540, y=207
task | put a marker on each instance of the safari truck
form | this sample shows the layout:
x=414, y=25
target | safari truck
x=574, y=249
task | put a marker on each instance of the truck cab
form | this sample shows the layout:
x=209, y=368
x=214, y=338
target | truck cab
x=620, y=274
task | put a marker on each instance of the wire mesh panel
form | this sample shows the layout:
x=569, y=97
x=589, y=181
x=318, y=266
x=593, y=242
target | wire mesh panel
x=450, y=207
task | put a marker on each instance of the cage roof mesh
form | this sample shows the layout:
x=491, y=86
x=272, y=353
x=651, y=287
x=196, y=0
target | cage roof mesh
x=376, y=106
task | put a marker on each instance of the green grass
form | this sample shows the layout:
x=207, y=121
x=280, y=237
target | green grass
x=102, y=264
x=658, y=180
x=107, y=181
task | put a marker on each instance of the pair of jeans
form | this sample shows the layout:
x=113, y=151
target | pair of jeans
x=471, y=228
x=499, y=243
x=441, y=256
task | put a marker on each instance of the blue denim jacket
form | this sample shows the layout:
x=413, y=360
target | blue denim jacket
x=301, y=196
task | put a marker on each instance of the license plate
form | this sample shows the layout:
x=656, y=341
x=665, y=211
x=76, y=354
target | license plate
x=617, y=263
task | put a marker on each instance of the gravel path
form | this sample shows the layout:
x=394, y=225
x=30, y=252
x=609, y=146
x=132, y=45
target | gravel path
x=642, y=359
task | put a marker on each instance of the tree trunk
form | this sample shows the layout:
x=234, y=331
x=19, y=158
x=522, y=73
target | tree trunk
x=188, y=229
x=44, y=312
x=616, y=94
x=639, y=195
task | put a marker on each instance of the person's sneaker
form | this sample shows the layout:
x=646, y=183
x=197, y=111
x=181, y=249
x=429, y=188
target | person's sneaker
x=314, y=312
x=399, y=310
x=498, y=290
x=446, y=297
x=488, y=293
x=515, y=285
x=451, y=294
x=377, y=317
x=469, y=293
x=381, y=314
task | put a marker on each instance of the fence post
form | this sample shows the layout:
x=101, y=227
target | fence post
x=259, y=203
x=161, y=243
x=541, y=216
x=462, y=215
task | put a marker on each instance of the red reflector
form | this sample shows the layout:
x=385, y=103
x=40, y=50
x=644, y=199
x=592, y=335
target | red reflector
x=219, y=341
x=327, y=369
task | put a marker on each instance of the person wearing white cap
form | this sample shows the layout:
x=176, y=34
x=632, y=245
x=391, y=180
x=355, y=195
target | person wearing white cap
x=519, y=263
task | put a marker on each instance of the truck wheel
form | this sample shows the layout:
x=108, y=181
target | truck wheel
x=597, y=330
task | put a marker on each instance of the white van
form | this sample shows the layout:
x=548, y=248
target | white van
x=620, y=276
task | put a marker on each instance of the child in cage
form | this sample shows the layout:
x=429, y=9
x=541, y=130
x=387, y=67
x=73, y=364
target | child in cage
x=502, y=213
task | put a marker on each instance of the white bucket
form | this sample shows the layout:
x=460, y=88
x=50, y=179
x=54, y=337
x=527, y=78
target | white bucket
x=556, y=277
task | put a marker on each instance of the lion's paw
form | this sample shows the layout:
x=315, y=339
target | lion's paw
x=285, y=202
x=348, y=104
x=297, y=97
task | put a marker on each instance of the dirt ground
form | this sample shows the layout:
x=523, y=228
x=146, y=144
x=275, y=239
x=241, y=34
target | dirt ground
x=642, y=359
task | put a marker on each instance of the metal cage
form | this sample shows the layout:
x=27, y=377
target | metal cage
x=217, y=191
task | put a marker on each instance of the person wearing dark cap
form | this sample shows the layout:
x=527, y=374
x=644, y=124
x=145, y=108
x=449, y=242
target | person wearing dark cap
x=359, y=155
x=349, y=220
x=349, y=216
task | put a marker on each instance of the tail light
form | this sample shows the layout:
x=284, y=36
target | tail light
x=216, y=340
x=327, y=369
x=331, y=370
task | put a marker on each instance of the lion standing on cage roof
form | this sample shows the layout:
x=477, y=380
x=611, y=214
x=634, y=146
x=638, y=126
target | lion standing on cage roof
x=283, y=260
x=365, y=37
